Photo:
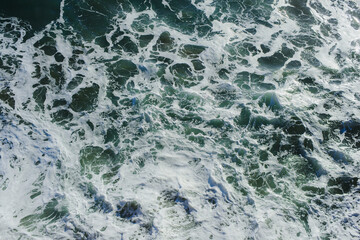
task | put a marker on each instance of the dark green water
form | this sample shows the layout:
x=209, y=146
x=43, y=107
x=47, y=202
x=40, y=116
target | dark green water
x=197, y=119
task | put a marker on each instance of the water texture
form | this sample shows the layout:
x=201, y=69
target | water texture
x=201, y=119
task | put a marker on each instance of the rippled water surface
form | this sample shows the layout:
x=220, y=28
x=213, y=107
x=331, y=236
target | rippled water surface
x=179, y=119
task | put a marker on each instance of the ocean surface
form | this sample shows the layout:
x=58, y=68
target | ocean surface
x=180, y=119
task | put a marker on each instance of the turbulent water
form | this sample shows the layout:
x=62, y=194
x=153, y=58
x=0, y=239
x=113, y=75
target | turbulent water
x=179, y=119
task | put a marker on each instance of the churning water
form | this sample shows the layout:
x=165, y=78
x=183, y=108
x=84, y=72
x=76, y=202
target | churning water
x=180, y=119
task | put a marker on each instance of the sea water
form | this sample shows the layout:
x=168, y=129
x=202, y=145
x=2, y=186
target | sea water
x=180, y=119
